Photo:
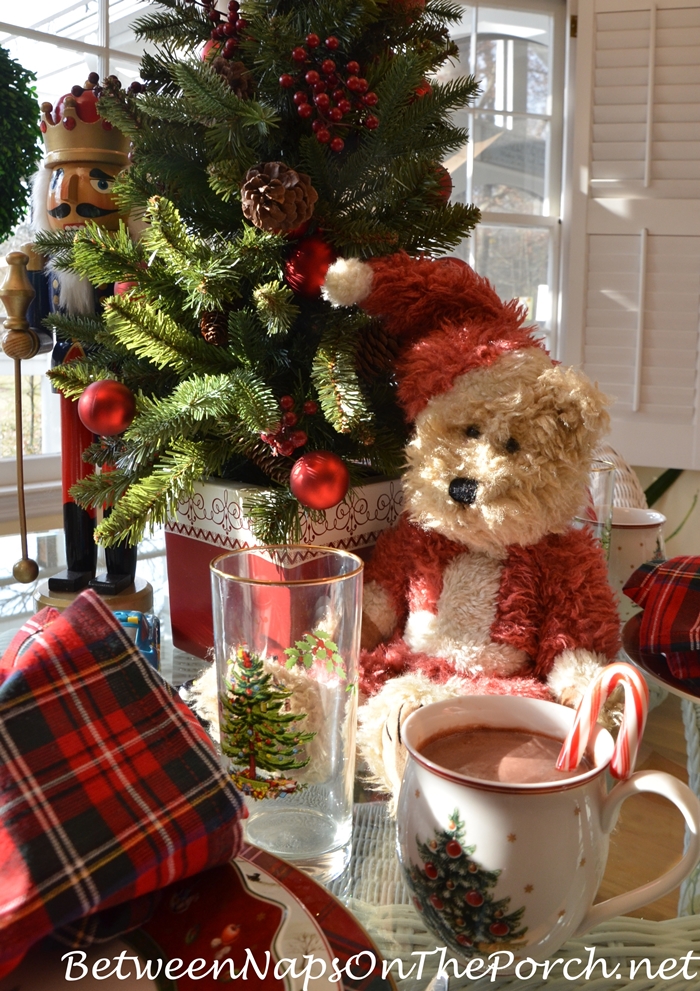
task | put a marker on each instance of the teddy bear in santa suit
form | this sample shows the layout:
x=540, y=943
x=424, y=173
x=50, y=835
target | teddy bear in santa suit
x=483, y=586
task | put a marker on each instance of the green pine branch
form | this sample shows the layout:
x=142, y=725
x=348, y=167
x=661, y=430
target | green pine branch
x=153, y=335
x=152, y=500
x=274, y=302
x=334, y=376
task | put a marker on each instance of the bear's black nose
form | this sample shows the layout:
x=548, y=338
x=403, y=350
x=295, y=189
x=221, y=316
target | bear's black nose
x=463, y=490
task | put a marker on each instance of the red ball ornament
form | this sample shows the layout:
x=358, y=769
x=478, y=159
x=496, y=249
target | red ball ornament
x=431, y=871
x=444, y=181
x=319, y=480
x=313, y=40
x=499, y=929
x=332, y=43
x=210, y=50
x=107, y=407
x=464, y=940
x=306, y=267
x=453, y=848
x=436, y=903
x=121, y=287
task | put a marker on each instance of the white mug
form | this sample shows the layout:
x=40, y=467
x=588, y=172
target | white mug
x=636, y=537
x=515, y=867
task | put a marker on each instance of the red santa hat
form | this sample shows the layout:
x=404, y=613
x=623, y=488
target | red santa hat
x=449, y=320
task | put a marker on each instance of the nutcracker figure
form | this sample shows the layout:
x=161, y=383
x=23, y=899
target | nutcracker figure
x=84, y=154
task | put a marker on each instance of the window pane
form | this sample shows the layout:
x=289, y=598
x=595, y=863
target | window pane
x=40, y=409
x=516, y=262
x=510, y=163
x=513, y=57
x=57, y=69
x=70, y=20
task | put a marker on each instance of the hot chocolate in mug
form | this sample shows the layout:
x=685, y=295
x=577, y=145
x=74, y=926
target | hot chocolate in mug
x=496, y=865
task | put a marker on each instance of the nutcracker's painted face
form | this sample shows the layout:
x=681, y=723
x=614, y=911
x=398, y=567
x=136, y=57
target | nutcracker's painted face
x=79, y=192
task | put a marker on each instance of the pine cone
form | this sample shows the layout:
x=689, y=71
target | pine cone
x=275, y=466
x=239, y=78
x=213, y=325
x=376, y=352
x=276, y=198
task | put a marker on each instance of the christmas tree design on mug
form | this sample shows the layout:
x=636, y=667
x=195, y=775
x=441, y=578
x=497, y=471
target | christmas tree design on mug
x=452, y=891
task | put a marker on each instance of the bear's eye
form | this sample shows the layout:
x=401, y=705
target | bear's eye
x=512, y=446
x=473, y=431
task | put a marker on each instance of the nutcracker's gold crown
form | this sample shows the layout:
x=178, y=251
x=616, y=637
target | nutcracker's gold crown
x=75, y=140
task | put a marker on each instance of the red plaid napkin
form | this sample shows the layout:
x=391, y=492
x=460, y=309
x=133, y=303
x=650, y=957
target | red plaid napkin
x=109, y=787
x=670, y=624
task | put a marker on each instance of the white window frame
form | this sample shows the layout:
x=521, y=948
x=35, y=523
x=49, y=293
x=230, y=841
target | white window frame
x=553, y=219
x=42, y=472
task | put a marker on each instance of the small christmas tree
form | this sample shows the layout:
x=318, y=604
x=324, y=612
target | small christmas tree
x=255, y=729
x=452, y=890
x=302, y=130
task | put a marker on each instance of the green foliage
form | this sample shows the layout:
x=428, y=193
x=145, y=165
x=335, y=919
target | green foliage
x=316, y=647
x=20, y=151
x=206, y=408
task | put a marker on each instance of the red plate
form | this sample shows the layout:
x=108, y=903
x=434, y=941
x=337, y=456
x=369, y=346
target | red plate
x=256, y=909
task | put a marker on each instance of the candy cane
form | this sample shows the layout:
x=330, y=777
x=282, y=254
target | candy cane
x=633, y=719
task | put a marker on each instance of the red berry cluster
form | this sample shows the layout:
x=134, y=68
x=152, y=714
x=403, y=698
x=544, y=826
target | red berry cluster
x=285, y=439
x=328, y=93
x=228, y=31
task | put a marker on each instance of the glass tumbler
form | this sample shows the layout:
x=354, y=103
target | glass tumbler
x=287, y=639
x=596, y=513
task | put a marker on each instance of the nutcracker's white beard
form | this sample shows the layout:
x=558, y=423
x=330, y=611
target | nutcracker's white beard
x=75, y=294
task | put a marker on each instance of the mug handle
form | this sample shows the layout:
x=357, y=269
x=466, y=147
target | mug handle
x=659, y=783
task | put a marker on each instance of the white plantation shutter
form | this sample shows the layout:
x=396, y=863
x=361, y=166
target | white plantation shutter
x=633, y=299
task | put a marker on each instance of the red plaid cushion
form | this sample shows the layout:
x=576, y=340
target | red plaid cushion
x=670, y=625
x=109, y=787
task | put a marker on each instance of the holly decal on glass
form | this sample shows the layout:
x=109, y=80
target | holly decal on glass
x=452, y=891
x=316, y=646
x=257, y=733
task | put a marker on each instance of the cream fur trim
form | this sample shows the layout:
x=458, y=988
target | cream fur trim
x=378, y=608
x=572, y=672
x=380, y=720
x=460, y=631
x=348, y=281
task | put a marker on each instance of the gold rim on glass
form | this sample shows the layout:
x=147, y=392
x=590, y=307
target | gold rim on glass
x=292, y=581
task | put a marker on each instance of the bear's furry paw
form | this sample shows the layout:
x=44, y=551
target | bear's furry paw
x=380, y=720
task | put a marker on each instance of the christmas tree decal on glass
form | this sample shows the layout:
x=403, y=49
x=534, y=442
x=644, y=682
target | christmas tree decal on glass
x=268, y=139
x=453, y=892
x=257, y=733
